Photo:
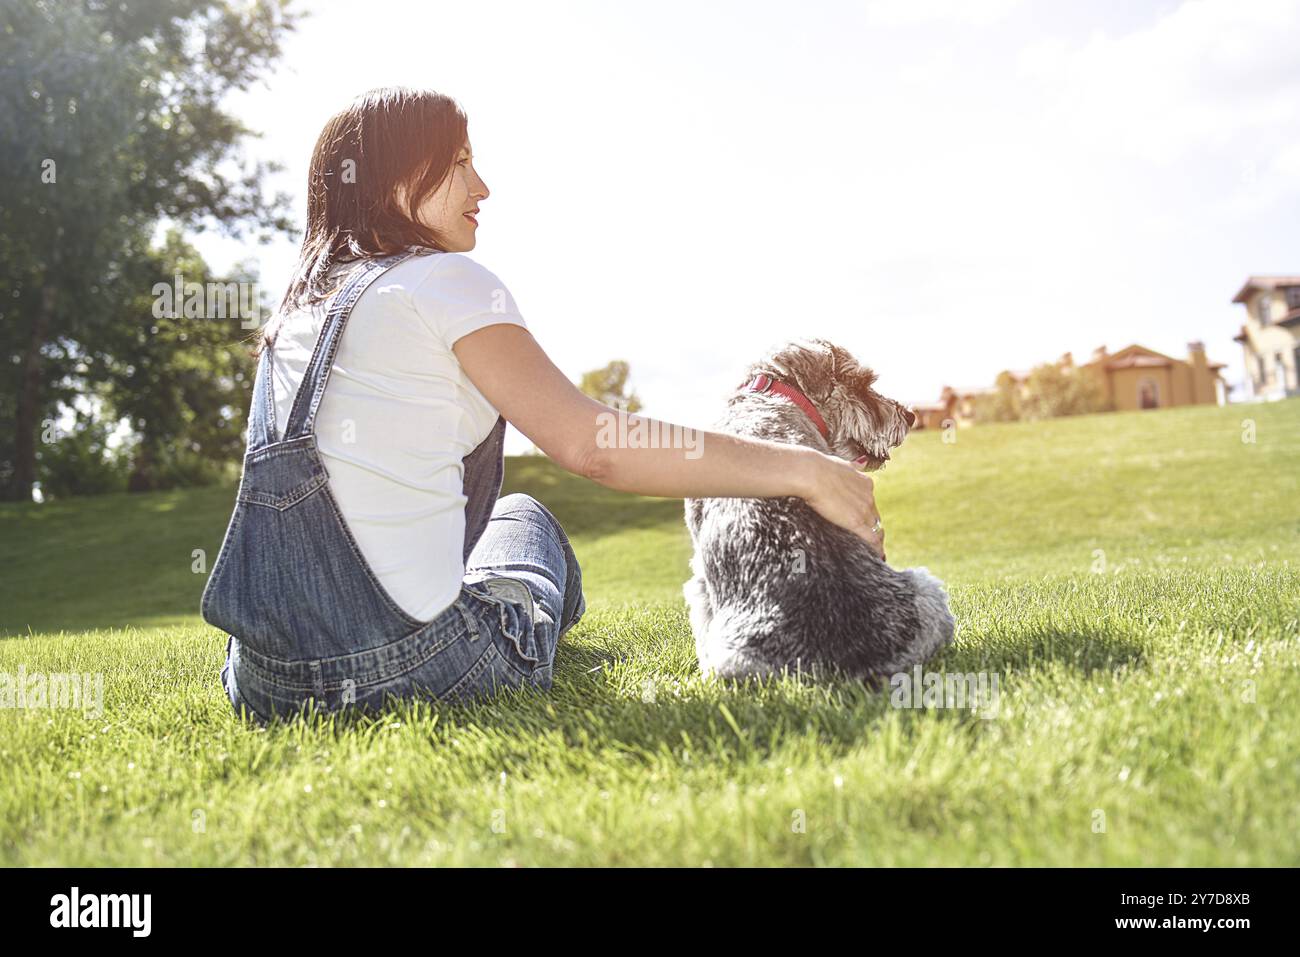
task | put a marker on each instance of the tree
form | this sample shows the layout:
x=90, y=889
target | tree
x=80, y=462
x=111, y=122
x=1001, y=405
x=608, y=385
x=1052, y=389
x=182, y=380
x=1061, y=389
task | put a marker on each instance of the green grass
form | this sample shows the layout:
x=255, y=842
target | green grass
x=1133, y=580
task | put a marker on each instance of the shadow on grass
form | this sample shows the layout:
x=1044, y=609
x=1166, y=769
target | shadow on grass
x=1083, y=651
x=729, y=721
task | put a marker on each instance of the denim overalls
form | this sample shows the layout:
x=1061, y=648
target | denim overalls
x=306, y=617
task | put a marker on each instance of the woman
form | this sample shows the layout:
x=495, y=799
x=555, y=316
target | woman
x=368, y=557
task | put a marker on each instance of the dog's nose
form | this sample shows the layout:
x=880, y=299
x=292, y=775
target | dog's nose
x=911, y=418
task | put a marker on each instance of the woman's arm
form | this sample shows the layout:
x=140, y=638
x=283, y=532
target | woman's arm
x=507, y=365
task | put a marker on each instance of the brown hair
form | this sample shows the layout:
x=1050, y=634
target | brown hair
x=374, y=164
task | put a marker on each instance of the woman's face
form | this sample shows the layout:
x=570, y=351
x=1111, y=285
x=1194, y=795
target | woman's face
x=453, y=209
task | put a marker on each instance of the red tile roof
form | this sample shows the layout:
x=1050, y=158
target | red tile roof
x=1138, y=362
x=1264, y=282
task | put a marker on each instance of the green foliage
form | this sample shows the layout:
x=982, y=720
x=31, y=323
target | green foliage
x=1001, y=405
x=110, y=123
x=183, y=382
x=609, y=386
x=1061, y=389
x=1051, y=390
x=1144, y=635
x=80, y=461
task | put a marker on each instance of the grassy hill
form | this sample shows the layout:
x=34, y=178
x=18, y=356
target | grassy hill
x=1132, y=579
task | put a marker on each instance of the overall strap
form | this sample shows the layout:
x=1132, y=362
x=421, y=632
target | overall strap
x=261, y=416
x=481, y=474
x=302, y=417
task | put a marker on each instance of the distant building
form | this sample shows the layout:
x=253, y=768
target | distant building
x=955, y=406
x=929, y=415
x=1133, y=378
x=1270, y=338
x=1140, y=378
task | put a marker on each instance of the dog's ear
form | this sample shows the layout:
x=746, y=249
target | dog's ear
x=863, y=381
x=856, y=378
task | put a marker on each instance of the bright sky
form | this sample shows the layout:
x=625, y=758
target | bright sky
x=947, y=188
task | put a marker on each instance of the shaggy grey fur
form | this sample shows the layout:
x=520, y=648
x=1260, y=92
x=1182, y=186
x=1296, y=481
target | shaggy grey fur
x=775, y=585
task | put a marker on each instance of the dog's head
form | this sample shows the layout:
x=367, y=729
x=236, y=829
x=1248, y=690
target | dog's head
x=863, y=424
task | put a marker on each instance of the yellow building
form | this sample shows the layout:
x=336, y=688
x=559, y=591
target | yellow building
x=1270, y=338
x=1133, y=378
x=1140, y=378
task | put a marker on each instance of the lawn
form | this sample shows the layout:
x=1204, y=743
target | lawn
x=1133, y=581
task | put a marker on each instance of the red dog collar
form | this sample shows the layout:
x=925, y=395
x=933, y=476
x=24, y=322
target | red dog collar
x=765, y=383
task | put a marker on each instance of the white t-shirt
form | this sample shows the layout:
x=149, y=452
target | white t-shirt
x=398, y=416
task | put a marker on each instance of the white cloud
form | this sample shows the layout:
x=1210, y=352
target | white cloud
x=931, y=12
x=1213, y=74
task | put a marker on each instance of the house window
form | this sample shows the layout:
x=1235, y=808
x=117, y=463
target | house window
x=1292, y=297
x=1263, y=307
x=1148, y=394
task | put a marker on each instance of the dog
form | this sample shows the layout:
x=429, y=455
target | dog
x=775, y=586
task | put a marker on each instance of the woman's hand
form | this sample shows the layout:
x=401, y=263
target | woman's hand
x=841, y=494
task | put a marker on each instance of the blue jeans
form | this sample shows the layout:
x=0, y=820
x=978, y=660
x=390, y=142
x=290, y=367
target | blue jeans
x=522, y=591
